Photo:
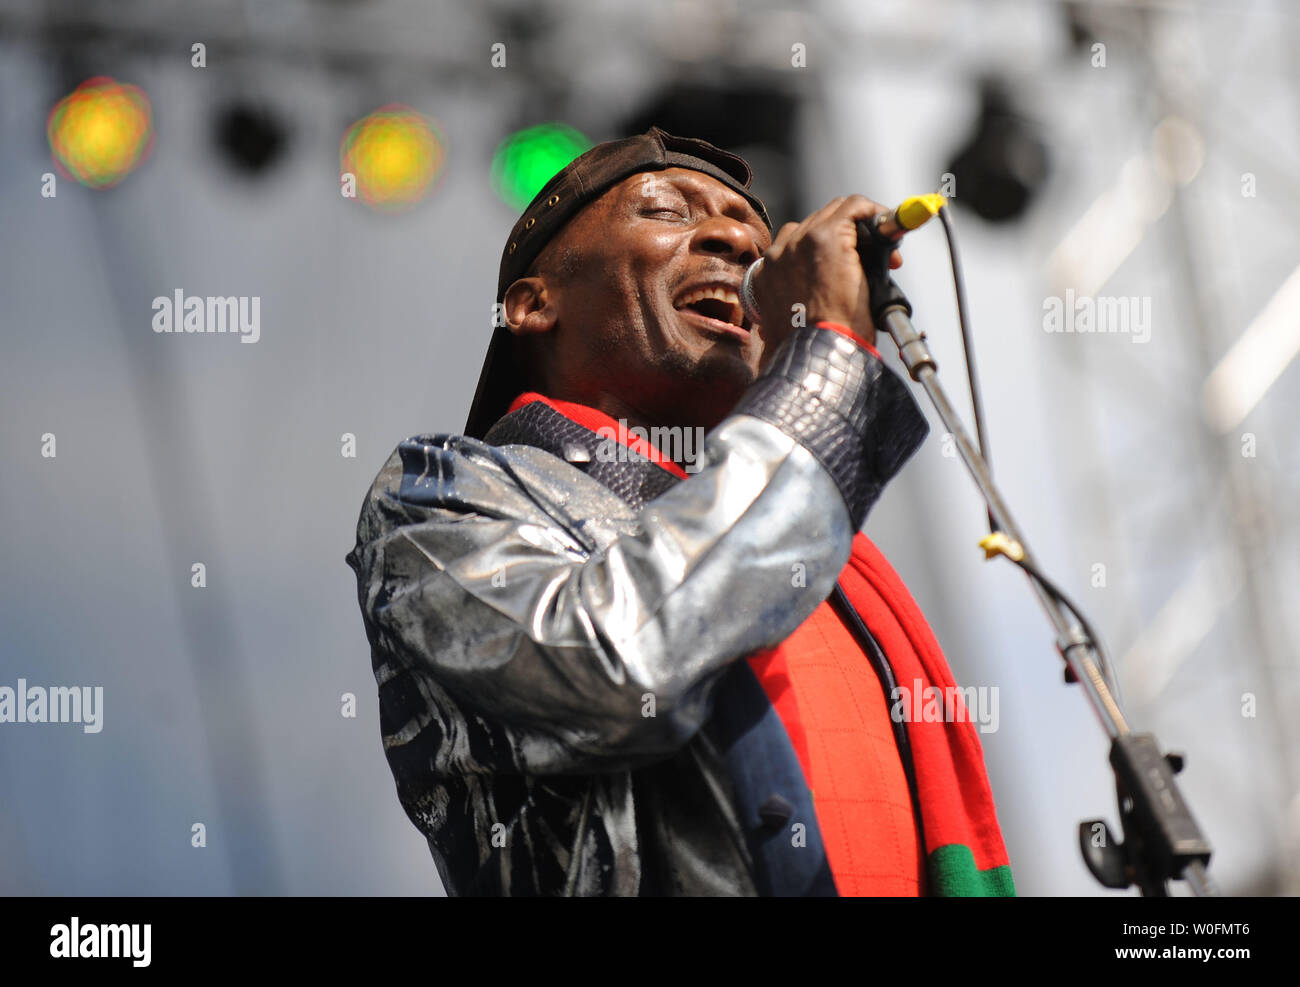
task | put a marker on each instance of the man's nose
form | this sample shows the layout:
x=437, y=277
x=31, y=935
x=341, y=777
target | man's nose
x=727, y=237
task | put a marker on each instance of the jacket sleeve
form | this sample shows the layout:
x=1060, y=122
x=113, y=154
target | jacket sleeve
x=596, y=641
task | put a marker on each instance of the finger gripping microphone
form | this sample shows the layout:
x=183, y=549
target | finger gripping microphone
x=886, y=228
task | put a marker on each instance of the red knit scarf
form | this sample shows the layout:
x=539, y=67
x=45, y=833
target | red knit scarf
x=964, y=852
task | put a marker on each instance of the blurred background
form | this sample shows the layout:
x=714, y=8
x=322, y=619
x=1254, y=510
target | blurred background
x=356, y=166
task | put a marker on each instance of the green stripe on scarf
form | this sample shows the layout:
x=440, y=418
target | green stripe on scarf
x=953, y=875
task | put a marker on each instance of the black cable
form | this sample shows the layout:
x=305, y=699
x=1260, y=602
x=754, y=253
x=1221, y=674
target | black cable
x=1093, y=639
x=963, y=320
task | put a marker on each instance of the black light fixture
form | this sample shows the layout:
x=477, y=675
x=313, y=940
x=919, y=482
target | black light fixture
x=1003, y=163
x=250, y=136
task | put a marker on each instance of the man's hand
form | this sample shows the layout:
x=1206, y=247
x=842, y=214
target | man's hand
x=815, y=264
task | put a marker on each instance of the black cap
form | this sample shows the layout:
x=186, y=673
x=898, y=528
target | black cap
x=585, y=179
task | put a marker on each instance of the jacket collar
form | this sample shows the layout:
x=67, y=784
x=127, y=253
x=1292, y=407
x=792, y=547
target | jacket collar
x=591, y=441
x=597, y=421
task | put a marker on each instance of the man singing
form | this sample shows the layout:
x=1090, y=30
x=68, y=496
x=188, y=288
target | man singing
x=606, y=670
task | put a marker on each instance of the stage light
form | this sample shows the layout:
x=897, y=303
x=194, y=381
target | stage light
x=1004, y=162
x=250, y=137
x=395, y=154
x=101, y=131
x=525, y=161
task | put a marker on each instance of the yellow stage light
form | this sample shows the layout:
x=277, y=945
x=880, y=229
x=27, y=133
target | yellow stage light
x=101, y=131
x=395, y=154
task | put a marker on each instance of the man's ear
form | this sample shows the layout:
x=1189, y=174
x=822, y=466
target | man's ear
x=528, y=307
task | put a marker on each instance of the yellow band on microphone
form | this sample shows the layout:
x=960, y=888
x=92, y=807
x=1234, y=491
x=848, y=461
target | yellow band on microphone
x=919, y=210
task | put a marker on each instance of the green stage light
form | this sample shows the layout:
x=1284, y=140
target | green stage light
x=528, y=159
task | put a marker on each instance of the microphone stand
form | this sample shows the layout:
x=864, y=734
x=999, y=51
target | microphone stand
x=1162, y=841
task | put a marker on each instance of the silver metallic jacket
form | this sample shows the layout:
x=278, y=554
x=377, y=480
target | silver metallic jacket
x=555, y=636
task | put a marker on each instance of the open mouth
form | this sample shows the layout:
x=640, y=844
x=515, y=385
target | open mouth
x=716, y=307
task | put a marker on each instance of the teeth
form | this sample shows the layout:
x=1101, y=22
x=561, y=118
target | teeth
x=699, y=294
x=737, y=315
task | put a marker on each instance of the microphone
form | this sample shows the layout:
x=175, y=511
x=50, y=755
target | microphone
x=886, y=228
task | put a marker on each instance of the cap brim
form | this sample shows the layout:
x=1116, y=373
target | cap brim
x=499, y=384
